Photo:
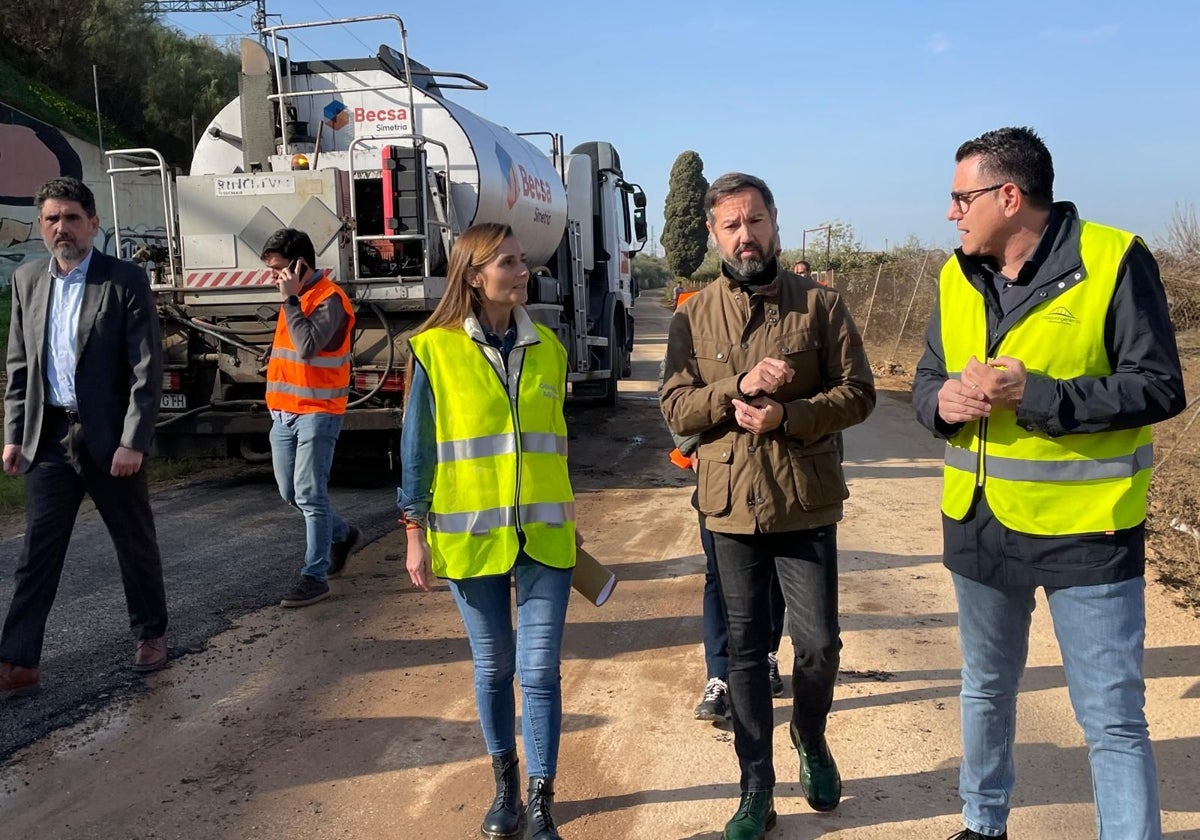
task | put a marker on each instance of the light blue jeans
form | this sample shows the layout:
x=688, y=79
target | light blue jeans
x=533, y=654
x=302, y=453
x=1101, y=633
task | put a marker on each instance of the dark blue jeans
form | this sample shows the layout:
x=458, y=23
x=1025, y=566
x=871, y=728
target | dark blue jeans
x=806, y=565
x=533, y=655
x=716, y=635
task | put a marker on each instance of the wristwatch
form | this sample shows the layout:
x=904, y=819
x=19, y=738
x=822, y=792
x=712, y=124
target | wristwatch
x=292, y=300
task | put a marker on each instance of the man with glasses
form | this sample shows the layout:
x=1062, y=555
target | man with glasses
x=1048, y=357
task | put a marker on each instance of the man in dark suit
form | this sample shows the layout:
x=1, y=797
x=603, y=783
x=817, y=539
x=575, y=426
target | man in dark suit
x=84, y=380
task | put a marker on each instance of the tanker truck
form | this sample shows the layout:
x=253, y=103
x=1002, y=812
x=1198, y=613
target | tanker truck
x=371, y=159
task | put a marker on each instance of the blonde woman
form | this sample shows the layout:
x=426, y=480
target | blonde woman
x=487, y=502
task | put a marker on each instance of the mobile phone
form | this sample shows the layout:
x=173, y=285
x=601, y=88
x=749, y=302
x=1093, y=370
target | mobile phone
x=295, y=266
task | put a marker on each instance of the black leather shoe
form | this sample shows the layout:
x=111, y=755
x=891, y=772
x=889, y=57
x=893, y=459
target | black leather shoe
x=539, y=823
x=819, y=777
x=968, y=834
x=503, y=819
x=754, y=818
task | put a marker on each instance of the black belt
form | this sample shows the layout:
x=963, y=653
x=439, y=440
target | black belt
x=57, y=412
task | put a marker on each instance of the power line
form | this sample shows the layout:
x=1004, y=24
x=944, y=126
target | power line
x=347, y=28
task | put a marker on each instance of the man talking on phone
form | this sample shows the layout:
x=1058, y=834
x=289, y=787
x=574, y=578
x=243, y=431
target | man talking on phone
x=308, y=382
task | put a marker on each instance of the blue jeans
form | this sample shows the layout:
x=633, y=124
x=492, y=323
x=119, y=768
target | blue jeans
x=1101, y=633
x=302, y=453
x=716, y=634
x=534, y=654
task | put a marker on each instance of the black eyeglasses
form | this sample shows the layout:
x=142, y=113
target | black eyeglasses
x=962, y=200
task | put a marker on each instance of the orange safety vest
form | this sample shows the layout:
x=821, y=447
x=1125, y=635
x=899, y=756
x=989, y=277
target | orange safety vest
x=319, y=384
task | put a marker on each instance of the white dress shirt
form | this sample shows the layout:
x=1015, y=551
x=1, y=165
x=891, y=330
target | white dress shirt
x=62, y=332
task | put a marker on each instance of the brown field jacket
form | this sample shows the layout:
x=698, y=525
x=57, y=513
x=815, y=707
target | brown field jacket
x=789, y=479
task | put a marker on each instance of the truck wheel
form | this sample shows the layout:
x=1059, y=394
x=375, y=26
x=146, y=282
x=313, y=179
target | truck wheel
x=617, y=364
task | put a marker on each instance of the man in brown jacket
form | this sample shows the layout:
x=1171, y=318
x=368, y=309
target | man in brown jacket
x=767, y=367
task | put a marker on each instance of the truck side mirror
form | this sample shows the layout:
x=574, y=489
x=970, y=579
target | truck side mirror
x=639, y=222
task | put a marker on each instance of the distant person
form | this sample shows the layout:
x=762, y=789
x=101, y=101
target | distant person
x=485, y=405
x=802, y=269
x=766, y=369
x=308, y=384
x=675, y=296
x=84, y=380
x=1048, y=357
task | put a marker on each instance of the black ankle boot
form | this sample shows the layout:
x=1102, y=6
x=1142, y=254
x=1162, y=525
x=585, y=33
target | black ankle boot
x=539, y=824
x=503, y=819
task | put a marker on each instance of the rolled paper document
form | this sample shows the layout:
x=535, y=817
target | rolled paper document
x=591, y=579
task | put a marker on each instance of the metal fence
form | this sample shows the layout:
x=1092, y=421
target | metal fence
x=892, y=303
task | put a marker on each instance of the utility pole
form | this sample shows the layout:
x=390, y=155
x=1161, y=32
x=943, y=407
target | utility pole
x=804, y=244
x=162, y=7
x=99, y=123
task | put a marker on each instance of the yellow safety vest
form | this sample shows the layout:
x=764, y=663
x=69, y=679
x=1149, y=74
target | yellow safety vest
x=1035, y=484
x=501, y=459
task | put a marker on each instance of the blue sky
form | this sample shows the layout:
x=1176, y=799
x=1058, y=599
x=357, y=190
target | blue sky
x=850, y=111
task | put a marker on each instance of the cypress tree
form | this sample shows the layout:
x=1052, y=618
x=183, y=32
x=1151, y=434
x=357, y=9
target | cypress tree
x=684, y=237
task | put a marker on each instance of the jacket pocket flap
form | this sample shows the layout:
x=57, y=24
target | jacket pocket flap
x=720, y=451
x=798, y=342
x=705, y=348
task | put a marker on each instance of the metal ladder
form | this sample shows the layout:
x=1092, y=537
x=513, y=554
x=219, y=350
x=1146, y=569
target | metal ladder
x=583, y=341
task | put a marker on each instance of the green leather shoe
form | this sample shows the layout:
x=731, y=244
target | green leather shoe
x=754, y=818
x=819, y=777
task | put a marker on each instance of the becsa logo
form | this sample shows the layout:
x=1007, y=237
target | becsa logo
x=520, y=182
x=380, y=115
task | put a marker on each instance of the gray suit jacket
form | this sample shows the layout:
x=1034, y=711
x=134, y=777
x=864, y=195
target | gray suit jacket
x=118, y=370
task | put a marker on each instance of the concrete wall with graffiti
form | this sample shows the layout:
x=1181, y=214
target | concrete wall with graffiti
x=31, y=153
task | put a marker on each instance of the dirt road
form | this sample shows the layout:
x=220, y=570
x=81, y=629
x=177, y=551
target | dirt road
x=355, y=718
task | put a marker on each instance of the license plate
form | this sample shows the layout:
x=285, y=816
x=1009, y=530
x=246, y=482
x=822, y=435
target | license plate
x=173, y=401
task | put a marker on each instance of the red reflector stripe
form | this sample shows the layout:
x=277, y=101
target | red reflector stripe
x=367, y=381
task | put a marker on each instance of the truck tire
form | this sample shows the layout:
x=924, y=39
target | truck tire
x=616, y=365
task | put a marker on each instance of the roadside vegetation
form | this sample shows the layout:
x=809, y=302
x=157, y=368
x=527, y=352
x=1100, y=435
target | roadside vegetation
x=154, y=82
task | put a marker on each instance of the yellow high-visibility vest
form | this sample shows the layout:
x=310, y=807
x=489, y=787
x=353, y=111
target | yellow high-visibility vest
x=1035, y=484
x=501, y=456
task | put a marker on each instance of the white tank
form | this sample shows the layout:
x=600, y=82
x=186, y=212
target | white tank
x=495, y=175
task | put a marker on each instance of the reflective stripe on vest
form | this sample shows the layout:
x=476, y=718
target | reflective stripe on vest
x=317, y=384
x=491, y=484
x=485, y=447
x=482, y=521
x=1035, y=484
x=1014, y=469
x=316, y=361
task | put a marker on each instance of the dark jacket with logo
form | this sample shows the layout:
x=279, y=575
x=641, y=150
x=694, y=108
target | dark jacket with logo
x=1145, y=387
